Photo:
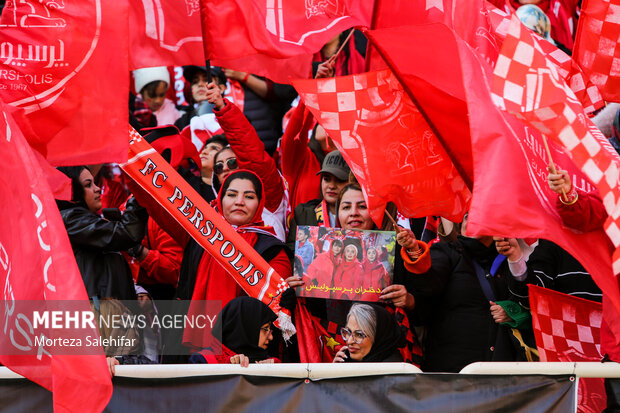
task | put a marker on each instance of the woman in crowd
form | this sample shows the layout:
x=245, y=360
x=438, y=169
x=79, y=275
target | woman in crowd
x=240, y=201
x=372, y=335
x=96, y=241
x=244, y=330
x=373, y=268
x=326, y=262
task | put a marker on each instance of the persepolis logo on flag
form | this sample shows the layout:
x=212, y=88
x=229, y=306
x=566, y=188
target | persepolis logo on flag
x=39, y=50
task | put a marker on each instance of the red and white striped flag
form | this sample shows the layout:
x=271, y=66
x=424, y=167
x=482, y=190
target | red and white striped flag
x=568, y=328
x=596, y=45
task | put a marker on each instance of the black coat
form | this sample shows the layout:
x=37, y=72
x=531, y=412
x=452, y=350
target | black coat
x=96, y=243
x=452, y=305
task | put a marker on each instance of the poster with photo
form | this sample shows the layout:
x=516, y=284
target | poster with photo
x=344, y=264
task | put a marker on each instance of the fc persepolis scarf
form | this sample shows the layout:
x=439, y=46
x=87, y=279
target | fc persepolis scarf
x=207, y=227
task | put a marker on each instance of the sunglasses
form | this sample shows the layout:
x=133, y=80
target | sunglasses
x=358, y=336
x=231, y=163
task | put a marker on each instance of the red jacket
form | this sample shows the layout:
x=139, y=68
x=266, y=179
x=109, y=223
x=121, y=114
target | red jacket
x=299, y=165
x=163, y=261
x=250, y=153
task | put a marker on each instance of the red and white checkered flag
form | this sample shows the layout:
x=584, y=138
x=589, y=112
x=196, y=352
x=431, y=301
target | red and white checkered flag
x=597, y=47
x=528, y=85
x=568, y=328
x=584, y=89
x=387, y=143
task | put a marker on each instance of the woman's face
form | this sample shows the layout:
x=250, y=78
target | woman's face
x=240, y=202
x=199, y=87
x=353, y=212
x=350, y=253
x=222, y=164
x=206, y=156
x=336, y=248
x=371, y=254
x=92, y=193
x=156, y=101
x=331, y=188
x=265, y=336
x=357, y=350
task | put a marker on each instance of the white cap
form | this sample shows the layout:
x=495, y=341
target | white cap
x=143, y=77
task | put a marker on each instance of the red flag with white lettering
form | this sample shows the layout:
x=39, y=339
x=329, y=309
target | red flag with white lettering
x=597, y=45
x=37, y=263
x=390, y=148
x=65, y=64
x=165, y=33
x=276, y=39
x=568, y=328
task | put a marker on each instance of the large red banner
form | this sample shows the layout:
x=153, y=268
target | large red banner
x=276, y=38
x=37, y=263
x=65, y=64
x=165, y=33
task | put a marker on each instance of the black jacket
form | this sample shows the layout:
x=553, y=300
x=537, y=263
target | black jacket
x=453, y=306
x=96, y=243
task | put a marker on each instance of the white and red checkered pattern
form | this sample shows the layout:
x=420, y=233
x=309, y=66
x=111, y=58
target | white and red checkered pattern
x=527, y=84
x=568, y=328
x=387, y=143
x=597, y=47
x=581, y=85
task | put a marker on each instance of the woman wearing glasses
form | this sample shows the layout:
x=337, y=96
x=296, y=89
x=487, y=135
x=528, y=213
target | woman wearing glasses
x=247, y=151
x=371, y=335
x=244, y=330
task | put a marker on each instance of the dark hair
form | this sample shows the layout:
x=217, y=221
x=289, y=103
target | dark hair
x=77, y=190
x=220, y=151
x=337, y=241
x=151, y=87
x=305, y=230
x=219, y=138
x=250, y=176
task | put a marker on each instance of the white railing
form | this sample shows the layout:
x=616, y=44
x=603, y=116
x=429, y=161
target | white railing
x=317, y=371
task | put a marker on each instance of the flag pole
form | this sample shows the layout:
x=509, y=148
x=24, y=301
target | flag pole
x=203, y=26
x=552, y=165
x=391, y=218
x=335, y=55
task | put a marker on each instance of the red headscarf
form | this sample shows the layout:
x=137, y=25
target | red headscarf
x=212, y=280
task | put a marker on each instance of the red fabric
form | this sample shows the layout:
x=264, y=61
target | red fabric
x=162, y=264
x=316, y=344
x=299, y=164
x=597, y=48
x=164, y=33
x=250, y=153
x=369, y=114
x=276, y=41
x=348, y=275
x=568, y=329
x=69, y=86
x=114, y=192
x=37, y=263
x=324, y=263
x=555, y=112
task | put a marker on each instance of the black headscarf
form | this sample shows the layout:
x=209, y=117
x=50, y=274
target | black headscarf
x=389, y=337
x=240, y=322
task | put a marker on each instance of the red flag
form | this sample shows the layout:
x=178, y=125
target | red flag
x=276, y=39
x=165, y=33
x=388, y=145
x=65, y=64
x=37, y=263
x=526, y=84
x=569, y=329
x=316, y=344
x=597, y=47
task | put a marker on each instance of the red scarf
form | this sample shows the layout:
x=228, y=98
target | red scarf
x=212, y=280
